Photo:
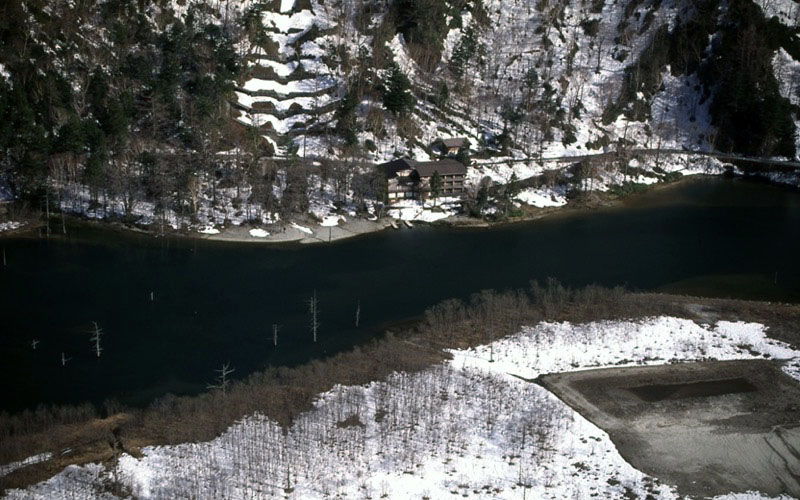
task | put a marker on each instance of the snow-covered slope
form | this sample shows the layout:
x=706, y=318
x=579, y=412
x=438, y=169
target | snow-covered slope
x=544, y=79
x=289, y=87
x=526, y=82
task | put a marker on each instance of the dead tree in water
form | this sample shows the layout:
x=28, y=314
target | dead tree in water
x=222, y=379
x=34, y=343
x=47, y=208
x=64, y=359
x=275, y=329
x=98, y=332
x=358, y=313
x=312, y=305
x=63, y=221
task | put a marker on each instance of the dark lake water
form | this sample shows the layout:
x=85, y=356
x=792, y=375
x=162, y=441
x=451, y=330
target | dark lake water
x=215, y=302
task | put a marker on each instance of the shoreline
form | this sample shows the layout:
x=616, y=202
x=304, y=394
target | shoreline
x=296, y=231
x=304, y=230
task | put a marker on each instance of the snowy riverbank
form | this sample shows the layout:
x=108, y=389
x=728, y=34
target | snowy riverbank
x=468, y=427
x=228, y=220
x=305, y=232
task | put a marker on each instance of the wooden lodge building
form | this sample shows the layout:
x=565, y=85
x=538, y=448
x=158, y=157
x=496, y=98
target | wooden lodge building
x=451, y=146
x=410, y=179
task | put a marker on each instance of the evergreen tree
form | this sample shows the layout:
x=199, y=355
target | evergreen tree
x=346, y=126
x=467, y=48
x=482, y=198
x=513, y=188
x=397, y=96
x=463, y=156
x=509, y=192
x=478, y=204
x=442, y=94
x=436, y=185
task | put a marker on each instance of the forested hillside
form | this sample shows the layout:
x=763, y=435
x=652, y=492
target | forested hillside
x=202, y=110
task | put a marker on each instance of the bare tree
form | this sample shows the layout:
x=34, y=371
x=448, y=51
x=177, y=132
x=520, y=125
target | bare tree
x=275, y=329
x=313, y=309
x=222, y=379
x=98, y=332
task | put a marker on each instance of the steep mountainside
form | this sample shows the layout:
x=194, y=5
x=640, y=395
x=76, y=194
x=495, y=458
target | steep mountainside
x=537, y=78
x=134, y=101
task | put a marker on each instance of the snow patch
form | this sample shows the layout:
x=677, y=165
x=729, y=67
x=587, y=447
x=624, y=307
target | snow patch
x=284, y=105
x=295, y=86
x=401, y=56
x=287, y=5
x=258, y=233
x=564, y=347
x=543, y=197
x=8, y=469
x=299, y=21
x=10, y=225
x=788, y=11
x=332, y=220
x=302, y=228
x=428, y=211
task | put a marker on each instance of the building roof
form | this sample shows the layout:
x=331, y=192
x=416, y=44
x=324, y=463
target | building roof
x=391, y=168
x=423, y=168
x=454, y=142
x=444, y=167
